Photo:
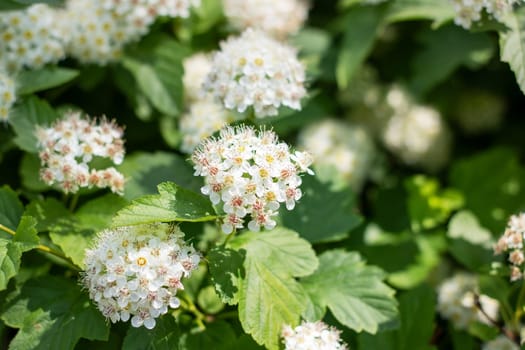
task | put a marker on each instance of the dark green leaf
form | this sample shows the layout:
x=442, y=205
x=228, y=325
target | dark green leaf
x=48, y=212
x=52, y=313
x=30, y=173
x=173, y=203
x=8, y=5
x=321, y=204
x=165, y=336
x=354, y=292
x=217, y=335
x=11, y=208
x=24, y=119
x=30, y=81
x=226, y=268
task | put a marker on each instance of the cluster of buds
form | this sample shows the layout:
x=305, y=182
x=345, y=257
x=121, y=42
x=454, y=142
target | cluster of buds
x=347, y=148
x=29, y=38
x=135, y=272
x=501, y=342
x=460, y=302
x=511, y=242
x=67, y=148
x=250, y=173
x=255, y=70
x=278, y=18
x=312, y=336
x=468, y=11
x=7, y=95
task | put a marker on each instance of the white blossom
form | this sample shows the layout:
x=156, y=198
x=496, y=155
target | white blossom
x=67, y=148
x=254, y=70
x=30, y=38
x=7, y=95
x=249, y=172
x=511, y=243
x=469, y=11
x=457, y=301
x=278, y=18
x=196, y=68
x=500, y=343
x=312, y=336
x=416, y=134
x=347, y=148
x=134, y=272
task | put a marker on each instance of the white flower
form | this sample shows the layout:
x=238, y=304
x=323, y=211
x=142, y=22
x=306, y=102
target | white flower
x=347, y=148
x=68, y=146
x=204, y=118
x=511, y=242
x=251, y=173
x=416, y=134
x=254, y=70
x=7, y=95
x=469, y=11
x=278, y=18
x=30, y=38
x=312, y=336
x=135, y=272
x=457, y=301
x=196, y=68
x=500, y=343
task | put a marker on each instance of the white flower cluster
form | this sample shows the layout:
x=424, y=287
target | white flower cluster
x=335, y=144
x=7, y=95
x=457, y=301
x=251, y=173
x=468, y=11
x=67, y=148
x=312, y=336
x=97, y=31
x=136, y=271
x=196, y=68
x=500, y=343
x=254, y=70
x=480, y=111
x=416, y=134
x=278, y=18
x=29, y=38
x=511, y=242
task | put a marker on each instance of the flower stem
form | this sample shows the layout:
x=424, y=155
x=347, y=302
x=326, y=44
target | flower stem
x=520, y=305
x=190, y=306
x=7, y=229
x=73, y=202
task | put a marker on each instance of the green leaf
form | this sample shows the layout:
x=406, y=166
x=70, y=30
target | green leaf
x=144, y=171
x=8, y=5
x=30, y=81
x=354, y=292
x=30, y=173
x=217, y=335
x=446, y=49
x=165, y=336
x=173, y=203
x=52, y=313
x=321, y=204
x=512, y=43
x=226, y=270
x=209, y=301
x=438, y=11
x=156, y=65
x=269, y=296
x=492, y=199
x=358, y=39
x=98, y=213
x=428, y=205
x=415, y=331
x=470, y=243
x=48, y=212
x=27, y=114
x=11, y=208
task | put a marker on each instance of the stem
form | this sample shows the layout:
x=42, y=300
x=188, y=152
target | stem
x=509, y=334
x=190, y=306
x=229, y=237
x=73, y=202
x=45, y=249
x=519, y=306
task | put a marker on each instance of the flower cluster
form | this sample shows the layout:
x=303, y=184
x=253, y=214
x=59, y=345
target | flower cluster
x=7, y=95
x=458, y=301
x=254, y=70
x=512, y=242
x=347, y=148
x=196, y=68
x=416, y=134
x=67, y=148
x=312, y=336
x=278, y=18
x=29, y=38
x=97, y=31
x=468, y=11
x=136, y=271
x=251, y=173
x=501, y=342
